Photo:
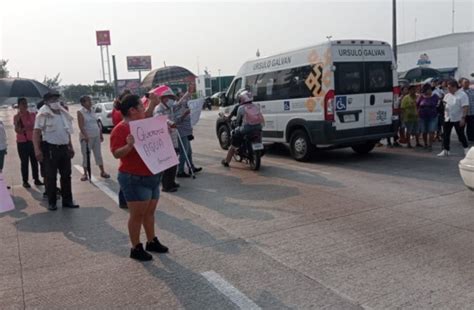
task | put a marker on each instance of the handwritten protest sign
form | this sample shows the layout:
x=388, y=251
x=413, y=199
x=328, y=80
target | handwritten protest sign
x=6, y=202
x=153, y=143
x=196, y=107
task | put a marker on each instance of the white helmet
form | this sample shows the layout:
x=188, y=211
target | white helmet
x=245, y=96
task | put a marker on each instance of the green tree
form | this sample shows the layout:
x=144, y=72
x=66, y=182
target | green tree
x=74, y=92
x=52, y=82
x=3, y=68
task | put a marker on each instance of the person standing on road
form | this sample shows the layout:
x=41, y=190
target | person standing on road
x=24, y=122
x=140, y=187
x=470, y=115
x=90, y=135
x=185, y=131
x=438, y=91
x=427, y=105
x=456, y=105
x=167, y=107
x=410, y=115
x=54, y=124
x=116, y=119
x=3, y=146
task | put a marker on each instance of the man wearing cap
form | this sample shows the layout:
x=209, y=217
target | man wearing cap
x=54, y=124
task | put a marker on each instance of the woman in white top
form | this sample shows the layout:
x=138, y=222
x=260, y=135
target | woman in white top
x=456, y=104
x=90, y=135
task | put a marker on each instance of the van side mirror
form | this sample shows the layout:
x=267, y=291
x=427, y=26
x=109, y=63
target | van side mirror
x=223, y=100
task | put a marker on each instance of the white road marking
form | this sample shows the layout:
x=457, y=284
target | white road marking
x=242, y=301
x=101, y=185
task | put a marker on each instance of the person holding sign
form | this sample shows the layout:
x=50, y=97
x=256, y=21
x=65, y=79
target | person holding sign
x=138, y=184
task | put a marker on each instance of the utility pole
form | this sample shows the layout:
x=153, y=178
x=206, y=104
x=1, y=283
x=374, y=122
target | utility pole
x=115, y=77
x=394, y=29
x=452, y=23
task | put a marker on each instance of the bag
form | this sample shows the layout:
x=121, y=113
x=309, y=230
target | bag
x=252, y=115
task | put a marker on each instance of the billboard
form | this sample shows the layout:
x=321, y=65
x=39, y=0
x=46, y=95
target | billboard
x=139, y=63
x=103, y=37
x=131, y=84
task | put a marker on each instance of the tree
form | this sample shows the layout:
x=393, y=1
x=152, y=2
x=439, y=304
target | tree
x=74, y=92
x=3, y=68
x=52, y=82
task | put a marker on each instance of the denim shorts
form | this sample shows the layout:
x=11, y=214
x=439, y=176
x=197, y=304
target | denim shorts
x=411, y=127
x=428, y=125
x=139, y=188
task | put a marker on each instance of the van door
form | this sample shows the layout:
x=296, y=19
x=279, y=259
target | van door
x=379, y=89
x=349, y=95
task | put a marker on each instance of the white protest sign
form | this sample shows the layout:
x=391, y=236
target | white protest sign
x=153, y=143
x=196, y=107
x=6, y=202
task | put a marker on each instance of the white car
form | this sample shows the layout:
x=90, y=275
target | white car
x=103, y=113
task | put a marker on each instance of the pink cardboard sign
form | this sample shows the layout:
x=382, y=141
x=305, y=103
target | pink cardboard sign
x=153, y=143
x=6, y=202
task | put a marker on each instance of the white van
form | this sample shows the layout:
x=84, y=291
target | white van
x=335, y=94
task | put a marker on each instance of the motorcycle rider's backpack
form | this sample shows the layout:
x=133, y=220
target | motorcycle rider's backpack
x=253, y=115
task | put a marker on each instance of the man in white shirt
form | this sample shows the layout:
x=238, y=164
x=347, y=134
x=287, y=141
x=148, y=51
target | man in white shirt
x=52, y=144
x=470, y=115
x=456, y=105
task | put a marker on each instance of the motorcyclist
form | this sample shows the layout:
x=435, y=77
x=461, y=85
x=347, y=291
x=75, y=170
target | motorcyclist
x=249, y=119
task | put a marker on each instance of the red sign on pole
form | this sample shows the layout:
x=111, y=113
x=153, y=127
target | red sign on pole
x=103, y=37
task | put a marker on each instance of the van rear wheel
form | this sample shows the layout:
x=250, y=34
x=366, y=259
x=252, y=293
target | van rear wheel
x=364, y=148
x=301, y=147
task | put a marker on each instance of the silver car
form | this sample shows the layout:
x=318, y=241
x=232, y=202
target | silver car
x=103, y=112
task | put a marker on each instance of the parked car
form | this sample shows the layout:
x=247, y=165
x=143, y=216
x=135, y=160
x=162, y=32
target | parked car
x=103, y=112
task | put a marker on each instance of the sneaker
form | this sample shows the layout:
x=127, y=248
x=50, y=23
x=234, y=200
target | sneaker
x=224, y=163
x=52, y=207
x=70, y=205
x=197, y=169
x=443, y=153
x=26, y=185
x=156, y=246
x=169, y=190
x=38, y=183
x=183, y=175
x=140, y=254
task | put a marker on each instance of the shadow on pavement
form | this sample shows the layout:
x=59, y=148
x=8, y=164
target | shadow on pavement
x=191, y=289
x=17, y=213
x=209, y=192
x=185, y=229
x=85, y=226
x=414, y=164
x=267, y=301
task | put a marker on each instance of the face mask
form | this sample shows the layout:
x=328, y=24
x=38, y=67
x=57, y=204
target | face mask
x=55, y=105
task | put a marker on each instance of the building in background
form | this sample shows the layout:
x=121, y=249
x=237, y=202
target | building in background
x=207, y=85
x=452, y=55
x=178, y=78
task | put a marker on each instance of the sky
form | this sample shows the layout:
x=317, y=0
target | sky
x=48, y=37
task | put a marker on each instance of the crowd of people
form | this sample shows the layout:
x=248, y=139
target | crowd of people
x=44, y=142
x=429, y=112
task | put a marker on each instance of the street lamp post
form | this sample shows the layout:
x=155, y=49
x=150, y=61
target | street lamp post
x=394, y=28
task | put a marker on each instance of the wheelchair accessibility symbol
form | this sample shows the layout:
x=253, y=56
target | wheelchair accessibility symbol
x=341, y=103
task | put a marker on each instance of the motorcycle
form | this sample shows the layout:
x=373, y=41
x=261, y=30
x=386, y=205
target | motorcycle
x=251, y=149
x=207, y=103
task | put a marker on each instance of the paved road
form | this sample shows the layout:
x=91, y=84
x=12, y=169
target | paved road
x=390, y=230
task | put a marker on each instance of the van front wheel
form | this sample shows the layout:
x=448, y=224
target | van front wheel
x=364, y=148
x=301, y=147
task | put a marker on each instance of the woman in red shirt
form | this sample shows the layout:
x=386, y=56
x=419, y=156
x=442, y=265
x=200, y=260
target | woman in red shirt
x=139, y=186
x=24, y=122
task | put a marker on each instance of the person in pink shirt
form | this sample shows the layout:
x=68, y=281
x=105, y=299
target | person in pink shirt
x=24, y=122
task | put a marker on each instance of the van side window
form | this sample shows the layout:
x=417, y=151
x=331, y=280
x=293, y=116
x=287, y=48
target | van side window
x=378, y=77
x=348, y=78
x=280, y=85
